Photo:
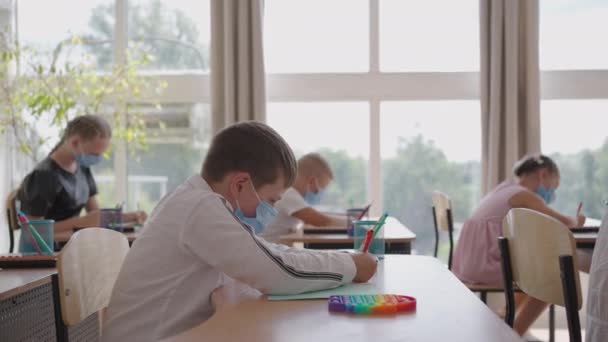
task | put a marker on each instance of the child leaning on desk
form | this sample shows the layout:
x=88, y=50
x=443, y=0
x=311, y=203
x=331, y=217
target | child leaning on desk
x=296, y=206
x=201, y=238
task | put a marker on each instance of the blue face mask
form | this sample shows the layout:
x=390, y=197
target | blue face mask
x=87, y=160
x=314, y=198
x=547, y=194
x=264, y=214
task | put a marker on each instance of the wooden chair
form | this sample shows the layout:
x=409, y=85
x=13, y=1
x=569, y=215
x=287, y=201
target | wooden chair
x=87, y=268
x=443, y=220
x=538, y=254
x=11, y=218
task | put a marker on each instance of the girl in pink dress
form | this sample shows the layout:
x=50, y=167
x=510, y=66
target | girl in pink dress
x=477, y=258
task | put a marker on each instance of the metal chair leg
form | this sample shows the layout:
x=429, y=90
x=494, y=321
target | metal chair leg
x=551, y=323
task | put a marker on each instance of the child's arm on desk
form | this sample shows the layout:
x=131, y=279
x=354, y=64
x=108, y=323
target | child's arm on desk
x=231, y=293
x=313, y=217
x=220, y=240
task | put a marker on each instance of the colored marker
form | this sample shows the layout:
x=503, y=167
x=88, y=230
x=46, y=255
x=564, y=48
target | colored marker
x=38, y=240
x=367, y=240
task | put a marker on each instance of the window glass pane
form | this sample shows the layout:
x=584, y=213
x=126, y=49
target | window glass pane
x=427, y=146
x=340, y=132
x=302, y=36
x=45, y=24
x=572, y=34
x=177, y=32
x=430, y=35
x=574, y=134
x=174, y=154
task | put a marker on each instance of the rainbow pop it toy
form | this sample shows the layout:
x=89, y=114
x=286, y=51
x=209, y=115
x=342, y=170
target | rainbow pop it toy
x=372, y=304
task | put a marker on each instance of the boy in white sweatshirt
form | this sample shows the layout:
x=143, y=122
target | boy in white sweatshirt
x=201, y=237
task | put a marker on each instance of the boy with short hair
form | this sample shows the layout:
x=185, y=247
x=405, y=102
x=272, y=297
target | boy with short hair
x=295, y=207
x=200, y=238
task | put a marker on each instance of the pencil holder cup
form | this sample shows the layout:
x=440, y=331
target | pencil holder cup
x=376, y=247
x=27, y=240
x=111, y=218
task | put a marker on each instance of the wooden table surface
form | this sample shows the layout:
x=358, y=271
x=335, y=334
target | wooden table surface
x=66, y=235
x=16, y=281
x=447, y=311
x=394, y=231
x=584, y=239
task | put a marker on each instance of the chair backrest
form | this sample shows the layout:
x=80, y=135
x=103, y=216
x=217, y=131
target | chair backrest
x=87, y=268
x=442, y=217
x=10, y=205
x=443, y=208
x=11, y=210
x=536, y=241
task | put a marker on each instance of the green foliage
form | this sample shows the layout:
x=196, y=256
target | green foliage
x=54, y=87
x=418, y=169
x=584, y=177
x=410, y=177
x=349, y=187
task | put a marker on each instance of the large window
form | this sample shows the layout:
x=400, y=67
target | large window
x=381, y=88
x=424, y=148
x=574, y=108
x=430, y=35
x=572, y=35
x=316, y=36
x=337, y=130
x=176, y=33
x=574, y=135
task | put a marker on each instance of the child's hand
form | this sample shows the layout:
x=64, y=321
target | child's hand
x=580, y=220
x=135, y=216
x=366, y=265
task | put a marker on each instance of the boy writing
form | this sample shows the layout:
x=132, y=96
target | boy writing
x=295, y=207
x=200, y=238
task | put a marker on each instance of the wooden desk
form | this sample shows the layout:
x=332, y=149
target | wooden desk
x=64, y=237
x=26, y=305
x=447, y=311
x=398, y=238
x=585, y=240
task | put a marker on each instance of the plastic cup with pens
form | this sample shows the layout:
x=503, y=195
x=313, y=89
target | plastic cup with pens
x=366, y=241
x=36, y=236
x=111, y=218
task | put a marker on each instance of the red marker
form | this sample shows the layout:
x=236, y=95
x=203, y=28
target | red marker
x=367, y=240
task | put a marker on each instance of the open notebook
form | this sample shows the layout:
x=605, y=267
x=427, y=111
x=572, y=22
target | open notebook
x=346, y=290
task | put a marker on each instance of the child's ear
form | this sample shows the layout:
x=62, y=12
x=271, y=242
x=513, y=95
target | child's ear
x=240, y=180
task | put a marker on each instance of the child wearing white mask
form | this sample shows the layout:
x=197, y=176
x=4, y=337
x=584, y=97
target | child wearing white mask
x=296, y=206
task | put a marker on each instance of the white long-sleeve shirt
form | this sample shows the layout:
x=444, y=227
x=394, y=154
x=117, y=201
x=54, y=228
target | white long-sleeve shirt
x=192, y=244
x=597, y=301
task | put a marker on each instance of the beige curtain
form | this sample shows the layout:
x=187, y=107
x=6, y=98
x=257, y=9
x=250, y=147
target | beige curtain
x=238, y=90
x=510, y=100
